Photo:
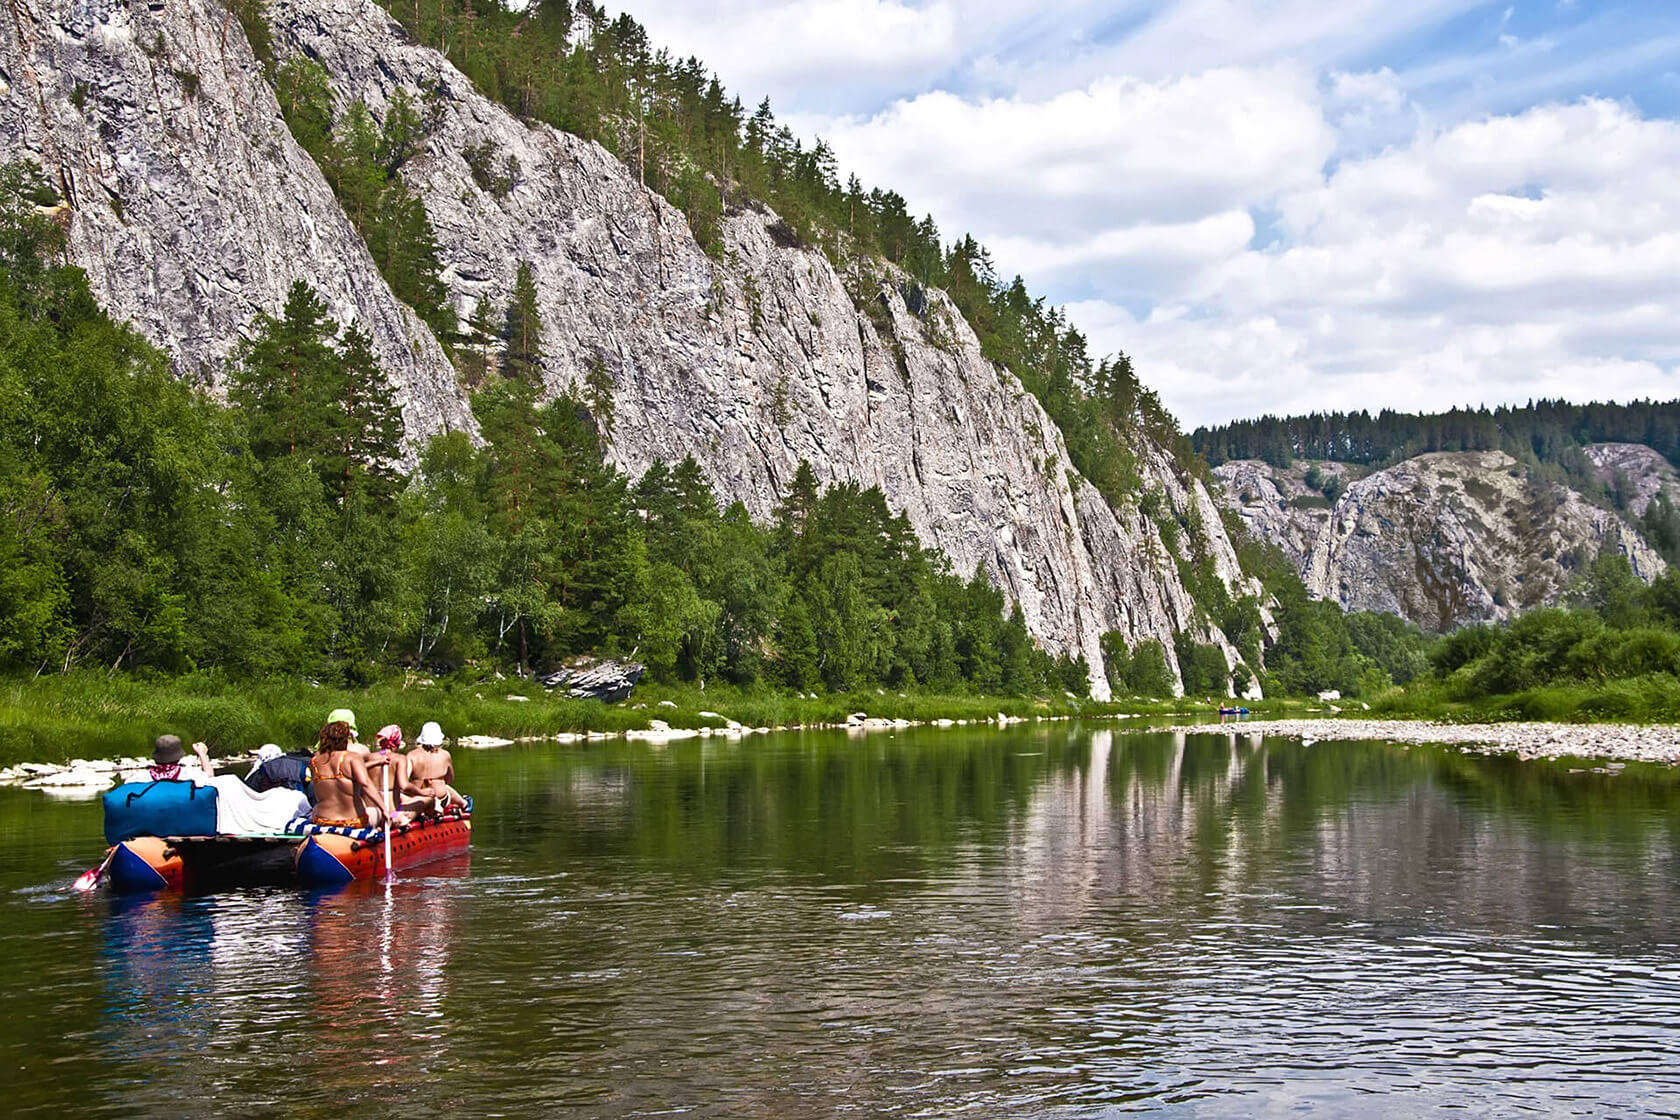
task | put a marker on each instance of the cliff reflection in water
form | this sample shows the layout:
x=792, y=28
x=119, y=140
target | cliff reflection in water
x=1210, y=827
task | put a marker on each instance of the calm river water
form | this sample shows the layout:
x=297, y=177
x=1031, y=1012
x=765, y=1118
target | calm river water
x=1065, y=922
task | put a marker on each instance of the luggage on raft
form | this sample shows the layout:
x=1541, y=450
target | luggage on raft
x=172, y=808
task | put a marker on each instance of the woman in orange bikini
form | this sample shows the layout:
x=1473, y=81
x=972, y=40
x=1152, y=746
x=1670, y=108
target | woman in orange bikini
x=345, y=794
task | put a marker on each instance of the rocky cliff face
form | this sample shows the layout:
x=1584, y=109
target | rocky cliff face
x=1442, y=539
x=750, y=363
x=190, y=206
x=1641, y=470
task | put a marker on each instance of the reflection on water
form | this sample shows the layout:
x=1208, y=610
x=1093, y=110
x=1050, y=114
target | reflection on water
x=1002, y=923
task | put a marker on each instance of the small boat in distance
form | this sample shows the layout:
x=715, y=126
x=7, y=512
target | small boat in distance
x=1224, y=711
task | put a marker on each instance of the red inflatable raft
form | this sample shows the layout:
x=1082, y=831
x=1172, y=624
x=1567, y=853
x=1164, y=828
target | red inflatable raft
x=318, y=855
x=331, y=855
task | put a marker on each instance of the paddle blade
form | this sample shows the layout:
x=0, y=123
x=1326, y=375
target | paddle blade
x=89, y=879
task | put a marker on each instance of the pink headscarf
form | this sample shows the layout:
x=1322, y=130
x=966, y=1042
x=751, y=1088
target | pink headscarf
x=390, y=738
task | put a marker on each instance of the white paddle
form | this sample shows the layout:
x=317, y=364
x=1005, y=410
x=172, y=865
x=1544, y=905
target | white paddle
x=390, y=872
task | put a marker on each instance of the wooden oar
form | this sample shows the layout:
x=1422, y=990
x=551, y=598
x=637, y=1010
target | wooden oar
x=89, y=879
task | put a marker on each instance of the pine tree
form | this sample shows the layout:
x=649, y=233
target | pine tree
x=369, y=421
x=280, y=381
x=522, y=352
x=598, y=391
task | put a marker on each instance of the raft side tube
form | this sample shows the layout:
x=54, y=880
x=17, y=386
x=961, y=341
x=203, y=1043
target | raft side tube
x=145, y=863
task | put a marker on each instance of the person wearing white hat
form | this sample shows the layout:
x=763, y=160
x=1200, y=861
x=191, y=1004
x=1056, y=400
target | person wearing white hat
x=264, y=753
x=431, y=770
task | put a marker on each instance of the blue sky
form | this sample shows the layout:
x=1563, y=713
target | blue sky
x=1273, y=205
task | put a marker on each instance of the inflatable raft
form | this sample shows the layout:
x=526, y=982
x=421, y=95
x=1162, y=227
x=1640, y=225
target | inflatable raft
x=162, y=837
x=340, y=855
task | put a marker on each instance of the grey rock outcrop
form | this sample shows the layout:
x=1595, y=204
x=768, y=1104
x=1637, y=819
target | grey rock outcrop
x=1642, y=470
x=761, y=359
x=606, y=681
x=1442, y=539
x=191, y=207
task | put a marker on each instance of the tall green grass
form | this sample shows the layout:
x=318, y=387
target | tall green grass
x=98, y=715
x=1654, y=698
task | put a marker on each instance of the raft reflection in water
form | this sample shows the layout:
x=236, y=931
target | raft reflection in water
x=336, y=985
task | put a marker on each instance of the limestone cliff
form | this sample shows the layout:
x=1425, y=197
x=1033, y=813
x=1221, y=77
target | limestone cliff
x=193, y=209
x=1442, y=539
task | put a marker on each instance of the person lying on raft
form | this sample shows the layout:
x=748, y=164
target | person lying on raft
x=346, y=794
x=431, y=771
x=276, y=770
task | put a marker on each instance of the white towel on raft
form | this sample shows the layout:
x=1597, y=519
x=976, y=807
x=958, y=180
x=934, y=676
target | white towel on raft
x=241, y=810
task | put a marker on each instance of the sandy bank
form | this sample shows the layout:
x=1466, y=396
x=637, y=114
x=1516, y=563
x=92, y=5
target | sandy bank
x=1622, y=742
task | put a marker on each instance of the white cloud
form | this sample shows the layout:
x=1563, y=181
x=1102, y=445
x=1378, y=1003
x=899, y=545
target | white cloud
x=825, y=53
x=1116, y=154
x=1521, y=256
x=1295, y=224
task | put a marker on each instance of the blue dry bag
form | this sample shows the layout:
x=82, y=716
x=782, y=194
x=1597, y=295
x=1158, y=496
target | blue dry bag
x=159, y=809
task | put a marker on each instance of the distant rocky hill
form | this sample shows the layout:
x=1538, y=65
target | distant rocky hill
x=1643, y=472
x=1446, y=538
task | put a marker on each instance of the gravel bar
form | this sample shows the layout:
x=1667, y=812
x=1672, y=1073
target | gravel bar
x=1622, y=742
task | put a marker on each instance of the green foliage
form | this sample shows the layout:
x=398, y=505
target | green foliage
x=1541, y=431
x=362, y=160
x=1203, y=668
x=494, y=175
x=144, y=526
x=253, y=18
x=119, y=506
x=522, y=328
x=1139, y=671
x=305, y=390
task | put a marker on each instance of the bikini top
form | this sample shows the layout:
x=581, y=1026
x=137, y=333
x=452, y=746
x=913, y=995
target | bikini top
x=337, y=768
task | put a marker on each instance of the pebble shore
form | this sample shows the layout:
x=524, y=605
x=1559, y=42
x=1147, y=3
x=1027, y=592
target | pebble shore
x=1619, y=742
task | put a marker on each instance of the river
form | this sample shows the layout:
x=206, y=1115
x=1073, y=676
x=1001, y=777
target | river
x=1044, y=921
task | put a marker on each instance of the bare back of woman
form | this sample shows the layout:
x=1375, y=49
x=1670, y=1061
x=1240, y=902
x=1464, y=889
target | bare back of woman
x=345, y=793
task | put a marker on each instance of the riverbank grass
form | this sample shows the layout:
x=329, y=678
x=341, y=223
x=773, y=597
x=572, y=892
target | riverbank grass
x=1654, y=698
x=99, y=715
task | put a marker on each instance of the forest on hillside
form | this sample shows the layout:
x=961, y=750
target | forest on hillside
x=277, y=536
x=144, y=526
x=1546, y=436
x=670, y=120
x=1544, y=431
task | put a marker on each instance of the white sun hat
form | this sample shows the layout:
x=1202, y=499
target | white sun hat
x=431, y=735
x=268, y=752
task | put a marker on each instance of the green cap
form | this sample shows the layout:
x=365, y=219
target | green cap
x=343, y=715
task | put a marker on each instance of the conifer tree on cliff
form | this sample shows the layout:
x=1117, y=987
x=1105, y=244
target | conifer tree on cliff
x=328, y=403
x=522, y=330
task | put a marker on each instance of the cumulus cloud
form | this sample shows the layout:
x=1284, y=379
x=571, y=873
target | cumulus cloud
x=1528, y=255
x=1248, y=200
x=1099, y=176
